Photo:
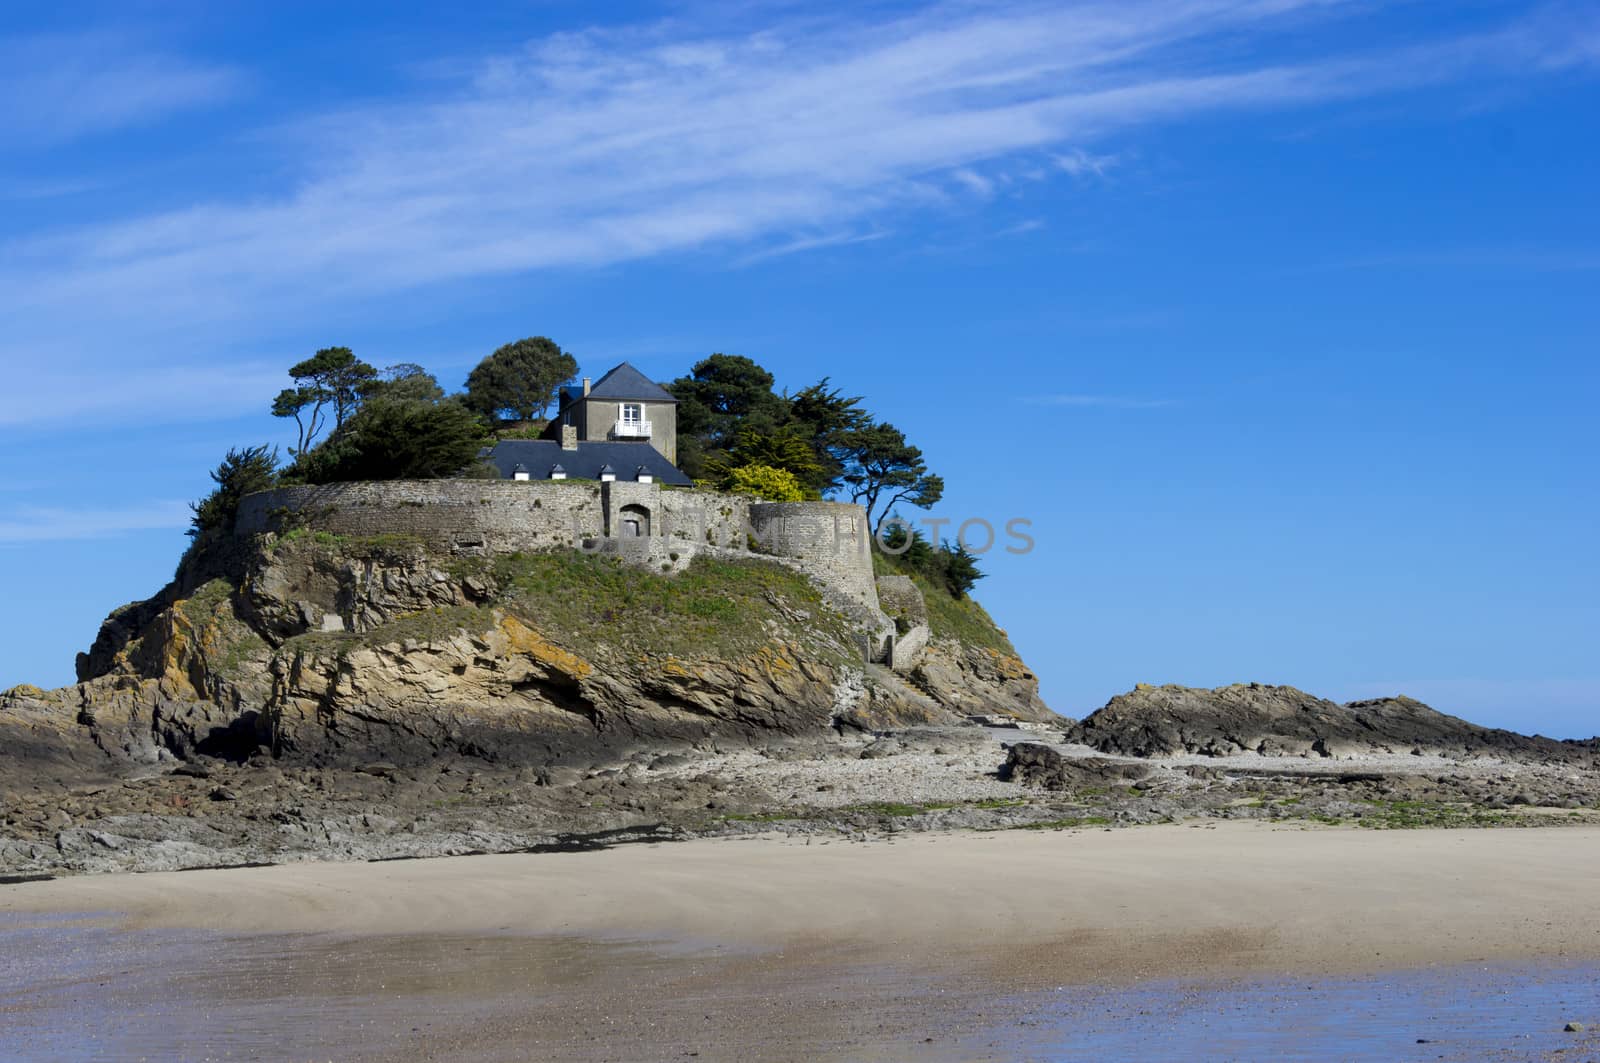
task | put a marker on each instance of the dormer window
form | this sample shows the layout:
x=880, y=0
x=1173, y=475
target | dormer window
x=557, y=473
x=520, y=473
x=644, y=475
x=607, y=474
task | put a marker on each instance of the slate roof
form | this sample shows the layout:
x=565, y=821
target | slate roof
x=538, y=456
x=626, y=382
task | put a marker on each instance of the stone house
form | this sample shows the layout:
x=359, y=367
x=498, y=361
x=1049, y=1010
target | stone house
x=623, y=429
x=624, y=406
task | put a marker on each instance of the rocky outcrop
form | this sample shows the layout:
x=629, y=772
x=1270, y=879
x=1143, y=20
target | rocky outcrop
x=1282, y=721
x=1040, y=766
x=980, y=681
x=322, y=651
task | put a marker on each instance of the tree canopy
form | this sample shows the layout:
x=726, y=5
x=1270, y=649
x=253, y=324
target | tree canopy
x=953, y=568
x=721, y=395
x=356, y=422
x=882, y=470
x=729, y=417
x=406, y=380
x=830, y=421
x=735, y=432
x=786, y=448
x=397, y=438
x=333, y=379
x=520, y=379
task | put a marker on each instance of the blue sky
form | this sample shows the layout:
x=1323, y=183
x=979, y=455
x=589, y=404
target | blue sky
x=1277, y=318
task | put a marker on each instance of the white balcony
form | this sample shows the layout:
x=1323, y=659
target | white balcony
x=631, y=430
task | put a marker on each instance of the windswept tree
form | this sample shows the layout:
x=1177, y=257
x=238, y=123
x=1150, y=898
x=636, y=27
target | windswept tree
x=723, y=395
x=881, y=470
x=307, y=407
x=397, y=439
x=828, y=420
x=332, y=381
x=241, y=472
x=520, y=379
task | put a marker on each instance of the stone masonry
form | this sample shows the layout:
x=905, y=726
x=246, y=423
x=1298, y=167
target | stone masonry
x=644, y=523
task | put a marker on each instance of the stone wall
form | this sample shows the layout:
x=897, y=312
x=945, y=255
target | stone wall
x=469, y=516
x=694, y=518
x=831, y=543
x=831, y=539
x=464, y=516
x=828, y=541
x=904, y=604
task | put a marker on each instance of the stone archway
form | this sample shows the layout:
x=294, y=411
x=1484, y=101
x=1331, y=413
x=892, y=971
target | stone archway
x=634, y=521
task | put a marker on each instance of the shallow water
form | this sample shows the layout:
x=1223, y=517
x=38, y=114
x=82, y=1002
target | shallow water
x=71, y=990
x=1454, y=1013
x=72, y=987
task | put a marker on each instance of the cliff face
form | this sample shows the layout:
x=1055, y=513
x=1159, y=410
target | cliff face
x=324, y=650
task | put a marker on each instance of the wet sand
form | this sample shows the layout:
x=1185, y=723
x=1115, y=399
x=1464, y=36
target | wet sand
x=772, y=948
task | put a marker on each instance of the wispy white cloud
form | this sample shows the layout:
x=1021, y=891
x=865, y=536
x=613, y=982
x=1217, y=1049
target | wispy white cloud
x=811, y=243
x=1107, y=402
x=598, y=147
x=974, y=182
x=59, y=87
x=113, y=394
x=1080, y=163
x=32, y=524
x=1027, y=226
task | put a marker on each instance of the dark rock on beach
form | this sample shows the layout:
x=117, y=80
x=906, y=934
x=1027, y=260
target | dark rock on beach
x=1154, y=721
x=1037, y=765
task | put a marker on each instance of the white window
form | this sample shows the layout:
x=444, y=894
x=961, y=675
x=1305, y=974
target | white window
x=632, y=413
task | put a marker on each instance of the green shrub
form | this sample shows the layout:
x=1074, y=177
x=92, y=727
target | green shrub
x=764, y=482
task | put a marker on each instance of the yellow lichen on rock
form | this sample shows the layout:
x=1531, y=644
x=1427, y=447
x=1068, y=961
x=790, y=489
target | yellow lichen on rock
x=777, y=658
x=525, y=639
x=671, y=666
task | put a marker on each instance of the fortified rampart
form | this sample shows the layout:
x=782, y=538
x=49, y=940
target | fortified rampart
x=642, y=522
x=830, y=541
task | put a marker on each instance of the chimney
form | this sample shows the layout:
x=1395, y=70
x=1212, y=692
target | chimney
x=586, y=385
x=569, y=437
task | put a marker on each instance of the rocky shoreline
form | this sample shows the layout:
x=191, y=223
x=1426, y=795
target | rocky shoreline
x=215, y=813
x=467, y=704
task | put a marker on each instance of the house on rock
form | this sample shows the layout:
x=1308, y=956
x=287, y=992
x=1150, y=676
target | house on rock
x=624, y=428
x=603, y=479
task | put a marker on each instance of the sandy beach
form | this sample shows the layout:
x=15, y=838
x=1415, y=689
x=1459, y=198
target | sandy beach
x=925, y=935
x=1164, y=900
